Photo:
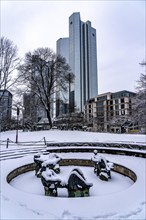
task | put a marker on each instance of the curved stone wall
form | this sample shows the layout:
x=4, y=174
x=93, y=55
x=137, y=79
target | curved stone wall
x=68, y=162
x=117, y=168
x=100, y=150
x=20, y=170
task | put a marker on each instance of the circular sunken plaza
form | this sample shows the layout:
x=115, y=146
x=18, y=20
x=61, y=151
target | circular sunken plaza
x=121, y=197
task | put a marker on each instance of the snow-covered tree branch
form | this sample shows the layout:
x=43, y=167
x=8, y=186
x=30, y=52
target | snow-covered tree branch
x=9, y=62
x=139, y=106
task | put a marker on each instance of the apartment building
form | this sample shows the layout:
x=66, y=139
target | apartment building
x=107, y=112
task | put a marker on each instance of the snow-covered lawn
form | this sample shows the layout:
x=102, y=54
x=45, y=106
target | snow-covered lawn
x=119, y=198
x=73, y=136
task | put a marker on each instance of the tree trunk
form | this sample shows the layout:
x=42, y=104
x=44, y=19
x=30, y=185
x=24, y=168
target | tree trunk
x=49, y=118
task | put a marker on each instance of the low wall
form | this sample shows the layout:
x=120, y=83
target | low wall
x=20, y=170
x=68, y=162
x=135, y=146
x=72, y=149
x=117, y=168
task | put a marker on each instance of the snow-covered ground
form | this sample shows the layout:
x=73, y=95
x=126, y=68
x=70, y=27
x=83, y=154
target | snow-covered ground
x=73, y=136
x=119, y=198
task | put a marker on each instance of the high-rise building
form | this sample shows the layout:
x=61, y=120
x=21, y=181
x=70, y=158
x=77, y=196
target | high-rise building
x=82, y=58
x=63, y=48
x=62, y=99
x=5, y=107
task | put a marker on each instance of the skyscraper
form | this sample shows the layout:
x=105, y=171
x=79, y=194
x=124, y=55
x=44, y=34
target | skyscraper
x=82, y=60
x=5, y=108
x=62, y=100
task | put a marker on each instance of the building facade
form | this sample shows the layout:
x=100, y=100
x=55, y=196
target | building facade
x=62, y=99
x=110, y=112
x=63, y=47
x=5, y=107
x=33, y=111
x=82, y=58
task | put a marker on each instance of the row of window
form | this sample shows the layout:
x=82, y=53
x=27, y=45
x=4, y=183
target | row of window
x=111, y=102
x=112, y=113
x=122, y=94
x=111, y=108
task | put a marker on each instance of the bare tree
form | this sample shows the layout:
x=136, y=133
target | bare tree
x=9, y=61
x=121, y=121
x=43, y=74
x=139, y=106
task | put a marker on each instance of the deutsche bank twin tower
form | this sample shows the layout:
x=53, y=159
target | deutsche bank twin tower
x=80, y=51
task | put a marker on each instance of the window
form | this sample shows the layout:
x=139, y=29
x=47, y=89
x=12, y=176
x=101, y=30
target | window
x=100, y=109
x=116, y=101
x=122, y=100
x=102, y=98
x=122, y=112
x=116, y=107
x=100, y=114
x=99, y=103
x=122, y=106
x=112, y=114
x=111, y=107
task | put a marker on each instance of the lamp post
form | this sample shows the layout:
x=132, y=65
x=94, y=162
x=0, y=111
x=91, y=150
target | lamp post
x=17, y=124
x=69, y=90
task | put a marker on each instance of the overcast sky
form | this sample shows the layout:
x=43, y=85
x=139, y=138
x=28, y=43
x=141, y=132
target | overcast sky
x=120, y=27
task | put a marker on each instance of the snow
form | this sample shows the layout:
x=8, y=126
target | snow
x=80, y=175
x=118, y=182
x=97, y=158
x=73, y=136
x=118, y=198
x=52, y=159
x=50, y=175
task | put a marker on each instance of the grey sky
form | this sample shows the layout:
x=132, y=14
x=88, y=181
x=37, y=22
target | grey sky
x=120, y=27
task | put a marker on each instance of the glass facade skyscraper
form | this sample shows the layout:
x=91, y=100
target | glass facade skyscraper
x=82, y=59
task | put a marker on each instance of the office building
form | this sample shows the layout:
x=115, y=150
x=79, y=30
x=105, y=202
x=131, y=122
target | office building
x=5, y=107
x=62, y=99
x=82, y=58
